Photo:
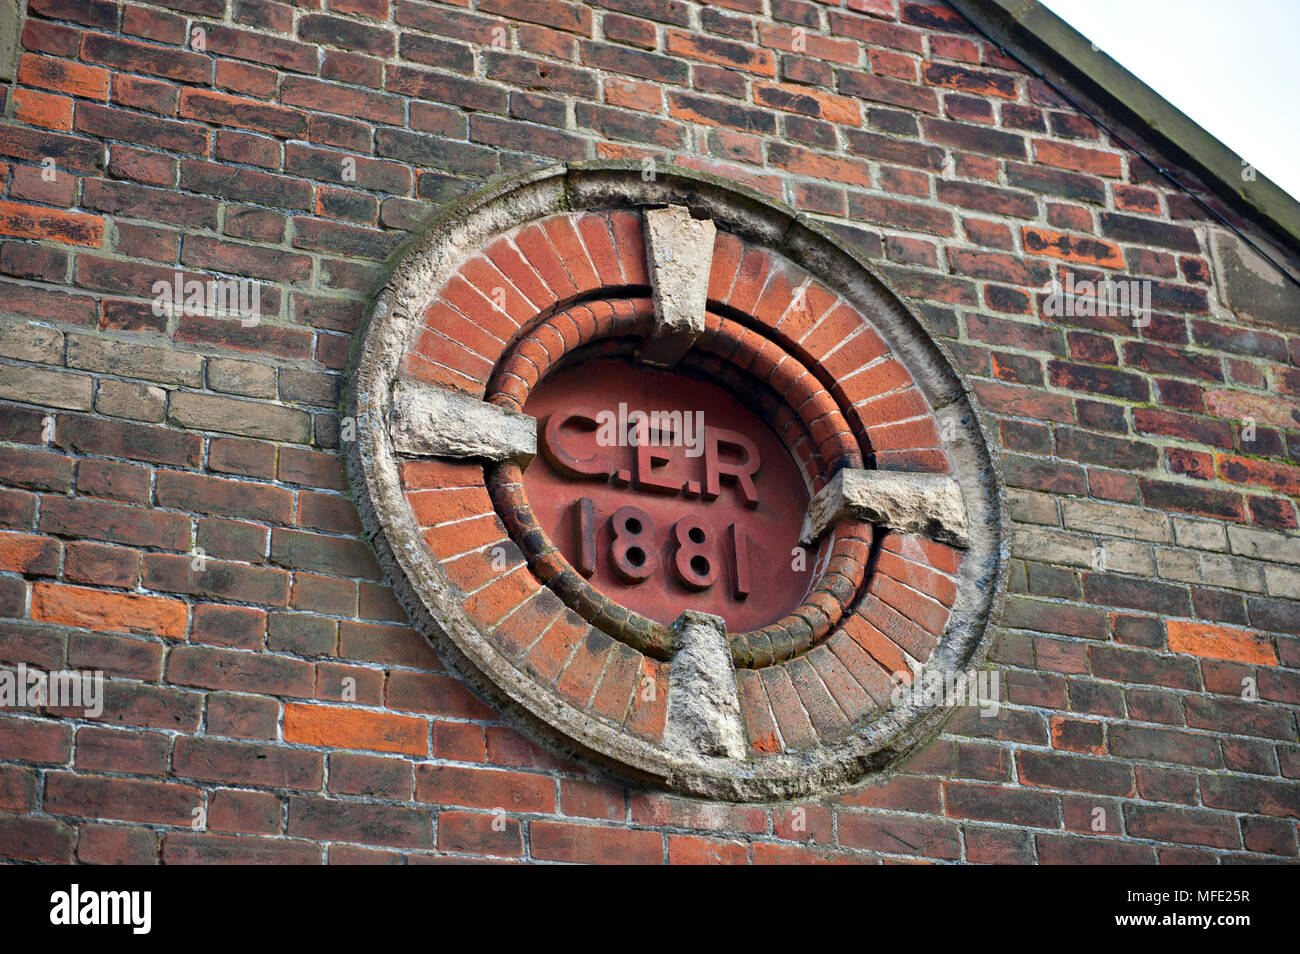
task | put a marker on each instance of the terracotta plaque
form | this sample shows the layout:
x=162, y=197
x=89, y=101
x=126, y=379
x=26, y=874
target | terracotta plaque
x=667, y=493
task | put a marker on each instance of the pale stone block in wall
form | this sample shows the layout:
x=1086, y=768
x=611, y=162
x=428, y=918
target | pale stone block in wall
x=248, y=378
x=206, y=412
x=1254, y=290
x=680, y=253
x=1210, y=569
x=1037, y=545
x=1026, y=506
x=11, y=22
x=703, y=702
x=438, y=422
x=1116, y=520
x=136, y=402
x=929, y=504
x=1199, y=534
x=309, y=387
x=131, y=359
x=28, y=342
x=32, y=385
x=1282, y=581
x=1262, y=545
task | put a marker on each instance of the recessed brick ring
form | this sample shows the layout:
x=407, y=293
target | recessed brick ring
x=527, y=275
x=562, y=336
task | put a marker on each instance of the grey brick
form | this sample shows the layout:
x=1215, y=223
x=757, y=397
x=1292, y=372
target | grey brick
x=130, y=359
x=207, y=412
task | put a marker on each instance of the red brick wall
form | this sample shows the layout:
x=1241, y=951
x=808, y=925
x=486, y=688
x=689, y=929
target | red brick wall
x=128, y=440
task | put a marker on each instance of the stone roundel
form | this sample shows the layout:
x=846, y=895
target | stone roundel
x=537, y=571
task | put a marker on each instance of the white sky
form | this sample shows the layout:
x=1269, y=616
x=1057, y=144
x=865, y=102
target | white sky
x=1233, y=67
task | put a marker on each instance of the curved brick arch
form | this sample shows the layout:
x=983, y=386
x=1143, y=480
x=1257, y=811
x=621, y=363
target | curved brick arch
x=814, y=689
x=893, y=623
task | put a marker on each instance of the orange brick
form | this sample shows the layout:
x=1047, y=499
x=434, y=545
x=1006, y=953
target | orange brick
x=521, y=629
x=824, y=48
x=344, y=728
x=920, y=609
x=1220, y=642
x=457, y=538
x=432, y=507
x=465, y=330
x=510, y=263
x=450, y=353
x=596, y=236
x=615, y=150
x=918, y=577
x=630, y=241
x=888, y=63
x=478, y=300
x=484, y=788
x=841, y=324
x=650, y=700
x=430, y=474
x=64, y=76
x=695, y=850
x=1072, y=248
x=43, y=109
x=97, y=610
x=721, y=52
x=547, y=657
x=796, y=159
x=633, y=94
x=1066, y=156
x=583, y=321
x=757, y=712
x=886, y=376
x=578, y=681
x=1261, y=473
x=35, y=222
x=877, y=644
x=474, y=570
x=545, y=260
x=509, y=309
x=751, y=277
x=493, y=602
x=29, y=553
x=905, y=434
x=572, y=251
x=1061, y=739
x=591, y=844
x=422, y=369
x=809, y=101
x=727, y=251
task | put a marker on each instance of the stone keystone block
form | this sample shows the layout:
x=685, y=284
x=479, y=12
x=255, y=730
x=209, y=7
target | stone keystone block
x=929, y=504
x=680, y=253
x=430, y=421
x=703, y=703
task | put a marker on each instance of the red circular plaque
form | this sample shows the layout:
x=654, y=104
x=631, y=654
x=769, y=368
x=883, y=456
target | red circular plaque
x=667, y=493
